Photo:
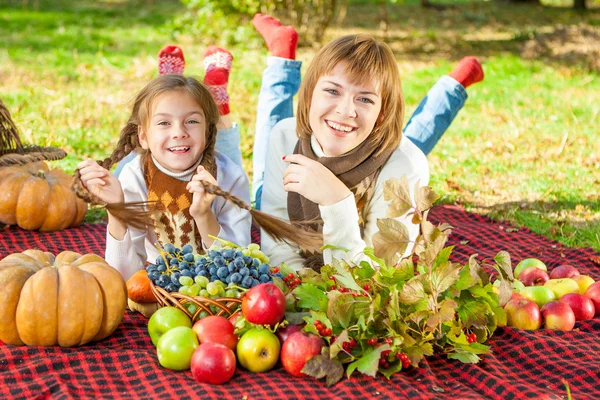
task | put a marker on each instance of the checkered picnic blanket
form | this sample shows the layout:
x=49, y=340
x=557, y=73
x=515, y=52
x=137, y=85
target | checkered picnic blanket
x=524, y=364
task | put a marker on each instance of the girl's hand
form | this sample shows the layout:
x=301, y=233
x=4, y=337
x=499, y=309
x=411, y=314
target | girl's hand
x=201, y=200
x=100, y=182
x=313, y=180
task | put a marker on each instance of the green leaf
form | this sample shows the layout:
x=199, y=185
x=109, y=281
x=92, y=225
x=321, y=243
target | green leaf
x=310, y=297
x=432, y=250
x=365, y=271
x=344, y=277
x=424, y=197
x=500, y=316
x=370, y=252
x=444, y=276
x=308, y=275
x=474, y=313
x=368, y=364
x=391, y=241
x=465, y=357
x=295, y=318
x=465, y=279
x=395, y=367
x=398, y=192
x=417, y=351
x=504, y=266
x=332, y=247
x=321, y=366
x=443, y=256
x=393, y=311
x=412, y=291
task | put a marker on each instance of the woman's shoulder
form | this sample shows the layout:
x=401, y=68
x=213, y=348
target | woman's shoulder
x=407, y=159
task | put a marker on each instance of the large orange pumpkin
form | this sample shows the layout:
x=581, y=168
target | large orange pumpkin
x=67, y=300
x=36, y=198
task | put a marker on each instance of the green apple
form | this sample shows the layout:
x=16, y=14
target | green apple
x=562, y=286
x=540, y=294
x=166, y=318
x=258, y=350
x=529, y=262
x=176, y=347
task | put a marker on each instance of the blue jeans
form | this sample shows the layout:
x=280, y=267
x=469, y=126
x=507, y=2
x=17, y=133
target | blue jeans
x=281, y=81
x=228, y=143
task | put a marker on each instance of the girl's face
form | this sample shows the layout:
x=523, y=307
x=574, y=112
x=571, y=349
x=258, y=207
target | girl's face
x=342, y=115
x=176, y=133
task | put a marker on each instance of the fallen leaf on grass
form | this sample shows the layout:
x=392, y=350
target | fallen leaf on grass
x=595, y=259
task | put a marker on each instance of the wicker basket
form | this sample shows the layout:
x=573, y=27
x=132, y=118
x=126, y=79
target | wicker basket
x=12, y=150
x=227, y=305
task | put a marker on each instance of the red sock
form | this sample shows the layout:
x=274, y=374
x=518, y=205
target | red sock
x=170, y=60
x=281, y=40
x=217, y=64
x=468, y=71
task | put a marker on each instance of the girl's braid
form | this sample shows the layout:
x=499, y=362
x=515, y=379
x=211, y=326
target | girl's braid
x=279, y=229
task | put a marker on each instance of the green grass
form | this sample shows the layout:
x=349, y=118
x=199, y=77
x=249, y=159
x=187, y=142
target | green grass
x=524, y=149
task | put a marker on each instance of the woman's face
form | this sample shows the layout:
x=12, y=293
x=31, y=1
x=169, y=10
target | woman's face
x=176, y=132
x=342, y=115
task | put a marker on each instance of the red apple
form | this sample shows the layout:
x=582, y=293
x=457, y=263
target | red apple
x=523, y=314
x=526, y=263
x=582, y=306
x=213, y=363
x=533, y=276
x=264, y=304
x=216, y=329
x=558, y=316
x=298, y=349
x=593, y=293
x=284, y=333
x=563, y=271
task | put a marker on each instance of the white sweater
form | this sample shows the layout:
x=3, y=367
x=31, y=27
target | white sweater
x=130, y=254
x=341, y=219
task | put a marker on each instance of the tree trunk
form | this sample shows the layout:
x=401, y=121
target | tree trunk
x=579, y=4
x=383, y=19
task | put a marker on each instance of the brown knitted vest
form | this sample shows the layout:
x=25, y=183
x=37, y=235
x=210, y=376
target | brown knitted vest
x=173, y=223
x=358, y=170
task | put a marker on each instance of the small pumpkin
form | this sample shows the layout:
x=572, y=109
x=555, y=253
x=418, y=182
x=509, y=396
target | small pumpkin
x=138, y=288
x=67, y=300
x=36, y=198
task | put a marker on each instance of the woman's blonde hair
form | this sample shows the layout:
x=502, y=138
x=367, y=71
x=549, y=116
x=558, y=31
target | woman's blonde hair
x=366, y=60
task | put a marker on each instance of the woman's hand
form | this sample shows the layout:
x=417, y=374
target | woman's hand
x=201, y=200
x=313, y=180
x=100, y=182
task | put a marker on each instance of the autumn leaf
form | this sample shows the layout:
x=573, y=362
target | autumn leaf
x=505, y=292
x=344, y=277
x=504, y=266
x=447, y=309
x=444, y=276
x=478, y=274
x=432, y=251
x=321, y=366
x=417, y=351
x=412, y=291
x=368, y=364
x=391, y=240
x=340, y=308
x=336, y=346
x=424, y=197
x=397, y=191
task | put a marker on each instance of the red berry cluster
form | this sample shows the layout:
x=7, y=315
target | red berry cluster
x=349, y=345
x=323, y=330
x=471, y=337
x=291, y=280
x=403, y=359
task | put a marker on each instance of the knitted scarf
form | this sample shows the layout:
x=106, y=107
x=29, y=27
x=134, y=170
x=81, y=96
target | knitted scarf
x=358, y=170
x=173, y=222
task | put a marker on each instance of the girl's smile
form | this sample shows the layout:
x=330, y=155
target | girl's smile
x=176, y=132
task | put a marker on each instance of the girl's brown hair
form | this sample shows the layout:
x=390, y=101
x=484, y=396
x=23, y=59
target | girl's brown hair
x=366, y=59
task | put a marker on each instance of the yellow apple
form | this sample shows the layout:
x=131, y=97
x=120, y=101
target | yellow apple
x=583, y=281
x=562, y=286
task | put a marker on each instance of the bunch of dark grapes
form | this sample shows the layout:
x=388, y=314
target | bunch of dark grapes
x=220, y=272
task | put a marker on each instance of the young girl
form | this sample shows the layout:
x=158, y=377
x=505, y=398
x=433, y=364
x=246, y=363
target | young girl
x=174, y=123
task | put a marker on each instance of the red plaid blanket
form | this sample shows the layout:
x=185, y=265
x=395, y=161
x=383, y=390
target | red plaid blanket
x=524, y=364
